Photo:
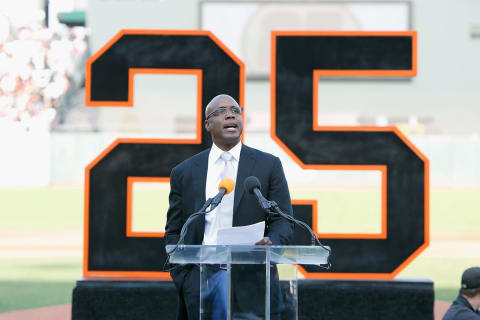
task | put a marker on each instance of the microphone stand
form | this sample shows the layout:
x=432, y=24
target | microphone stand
x=268, y=205
x=183, y=232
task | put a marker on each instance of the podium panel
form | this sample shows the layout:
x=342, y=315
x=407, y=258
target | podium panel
x=246, y=298
x=243, y=282
x=400, y=299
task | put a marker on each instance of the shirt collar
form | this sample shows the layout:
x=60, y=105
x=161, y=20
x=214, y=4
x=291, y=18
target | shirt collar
x=216, y=152
x=462, y=300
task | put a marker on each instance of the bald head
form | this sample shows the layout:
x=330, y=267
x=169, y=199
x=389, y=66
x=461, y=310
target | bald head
x=221, y=99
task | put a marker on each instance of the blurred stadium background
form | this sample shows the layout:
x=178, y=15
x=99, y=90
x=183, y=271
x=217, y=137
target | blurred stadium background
x=48, y=135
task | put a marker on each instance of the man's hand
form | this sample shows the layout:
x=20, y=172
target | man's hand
x=265, y=241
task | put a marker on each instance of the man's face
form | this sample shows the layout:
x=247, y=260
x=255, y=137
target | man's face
x=224, y=122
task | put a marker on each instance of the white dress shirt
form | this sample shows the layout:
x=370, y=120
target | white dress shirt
x=214, y=222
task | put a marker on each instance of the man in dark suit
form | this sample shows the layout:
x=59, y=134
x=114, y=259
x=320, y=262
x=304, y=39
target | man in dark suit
x=196, y=179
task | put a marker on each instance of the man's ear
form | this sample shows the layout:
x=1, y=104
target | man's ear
x=207, y=125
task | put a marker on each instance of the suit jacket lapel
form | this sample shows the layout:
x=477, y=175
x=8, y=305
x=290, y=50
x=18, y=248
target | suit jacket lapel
x=199, y=178
x=245, y=166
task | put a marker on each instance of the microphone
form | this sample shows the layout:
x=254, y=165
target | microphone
x=252, y=185
x=225, y=187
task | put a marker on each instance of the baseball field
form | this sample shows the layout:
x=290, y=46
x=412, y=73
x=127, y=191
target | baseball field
x=41, y=237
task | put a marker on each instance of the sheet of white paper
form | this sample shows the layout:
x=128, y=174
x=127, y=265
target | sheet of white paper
x=245, y=235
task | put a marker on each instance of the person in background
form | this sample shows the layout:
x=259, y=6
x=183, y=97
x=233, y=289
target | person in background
x=467, y=304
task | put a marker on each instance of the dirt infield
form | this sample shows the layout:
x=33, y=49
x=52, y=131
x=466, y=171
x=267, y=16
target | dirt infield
x=63, y=312
x=440, y=308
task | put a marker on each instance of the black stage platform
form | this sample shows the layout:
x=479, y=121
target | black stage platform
x=401, y=299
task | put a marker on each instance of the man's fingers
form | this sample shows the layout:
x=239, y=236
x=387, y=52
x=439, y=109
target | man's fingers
x=264, y=242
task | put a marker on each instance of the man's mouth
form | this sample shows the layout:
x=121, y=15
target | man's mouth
x=230, y=127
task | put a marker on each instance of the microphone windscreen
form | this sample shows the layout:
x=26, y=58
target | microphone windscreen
x=226, y=184
x=251, y=183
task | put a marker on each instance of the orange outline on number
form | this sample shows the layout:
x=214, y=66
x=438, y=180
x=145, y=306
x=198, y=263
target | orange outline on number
x=197, y=140
x=121, y=33
x=130, y=182
x=382, y=168
x=383, y=212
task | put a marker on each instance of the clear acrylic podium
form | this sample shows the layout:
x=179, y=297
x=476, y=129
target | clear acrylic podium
x=248, y=291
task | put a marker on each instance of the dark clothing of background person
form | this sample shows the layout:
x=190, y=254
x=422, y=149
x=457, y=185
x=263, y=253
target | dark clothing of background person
x=461, y=310
x=187, y=195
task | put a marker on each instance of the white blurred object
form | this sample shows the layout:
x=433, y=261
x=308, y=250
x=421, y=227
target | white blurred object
x=57, y=88
x=8, y=83
x=25, y=160
x=381, y=121
x=4, y=28
x=413, y=122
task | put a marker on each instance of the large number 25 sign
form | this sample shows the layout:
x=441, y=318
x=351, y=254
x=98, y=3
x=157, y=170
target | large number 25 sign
x=299, y=60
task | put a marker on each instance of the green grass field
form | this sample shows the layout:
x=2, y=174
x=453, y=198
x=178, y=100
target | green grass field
x=41, y=237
